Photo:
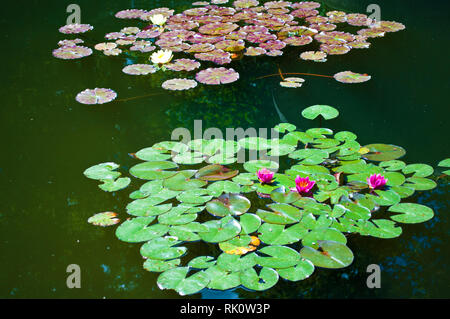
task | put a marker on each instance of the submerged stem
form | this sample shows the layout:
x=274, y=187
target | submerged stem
x=137, y=97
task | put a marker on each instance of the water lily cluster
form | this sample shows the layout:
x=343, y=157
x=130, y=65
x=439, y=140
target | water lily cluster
x=219, y=32
x=271, y=220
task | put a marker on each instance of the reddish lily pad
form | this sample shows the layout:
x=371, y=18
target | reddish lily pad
x=179, y=84
x=351, y=77
x=139, y=69
x=96, y=96
x=75, y=28
x=216, y=76
x=215, y=172
x=71, y=52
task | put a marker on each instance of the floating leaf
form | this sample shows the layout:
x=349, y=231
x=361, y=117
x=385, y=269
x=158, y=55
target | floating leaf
x=179, y=84
x=266, y=279
x=104, y=219
x=137, y=230
x=103, y=171
x=330, y=255
x=384, y=152
x=216, y=76
x=96, y=96
x=153, y=170
x=114, y=186
x=176, y=278
x=228, y=204
x=314, y=111
x=215, y=172
x=139, y=69
x=301, y=271
x=351, y=77
x=411, y=213
x=221, y=230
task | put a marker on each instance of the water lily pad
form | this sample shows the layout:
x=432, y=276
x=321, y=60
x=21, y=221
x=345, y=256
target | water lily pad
x=384, y=152
x=151, y=155
x=411, y=213
x=282, y=214
x=266, y=279
x=194, y=196
x=330, y=255
x=96, y=96
x=277, y=257
x=162, y=248
x=179, y=84
x=71, y=52
x=104, y=219
x=139, y=69
x=221, y=230
x=153, y=170
x=228, y=204
x=115, y=185
x=256, y=165
x=283, y=195
x=176, y=278
x=249, y=223
x=351, y=77
x=215, y=172
x=222, y=279
x=75, y=28
x=187, y=232
x=314, y=111
x=217, y=76
x=182, y=181
x=202, y=262
x=220, y=187
x=161, y=265
x=273, y=234
x=301, y=271
x=103, y=171
x=137, y=230
x=419, y=170
x=240, y=245
x=184, y=64
x=316, y=56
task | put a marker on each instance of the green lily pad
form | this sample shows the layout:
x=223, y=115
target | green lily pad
x=188, y=232
x=221, y=230
x=137, y=230
x=277, y=257
x=256, y=165
x=228, y=204
x=281, y=195
x=285, y=127
x=249, y=223
x=179, y=215
x=273, y=234
x=104, y=219
x=153, y=170
x=331, y=234
x=103, y=171
x=380, y=228
x=266, y=279
x=202, y=262
x=330, y=255
x=173, y=146
x=220, y=187
x=189, y=158
x=162, y=248
x=114, y=186
x=419, y=170
x=182, y=181
x=194, y=196
x=239, y=245
x=345, y=136
x=411, y=213
x=384, y=152
x=236, y=263
x=327, y=112
x=282, y=214
x=176, y=278
x=394, y=165
x=221, y=279
x=150, y=154
x=153, y=265
x=420, y=183
x=215, y=172
x=301, y=271
x=254, y=143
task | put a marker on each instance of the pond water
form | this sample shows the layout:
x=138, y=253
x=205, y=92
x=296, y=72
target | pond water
x=49, y=139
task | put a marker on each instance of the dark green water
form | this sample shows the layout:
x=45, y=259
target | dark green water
x=49, y=139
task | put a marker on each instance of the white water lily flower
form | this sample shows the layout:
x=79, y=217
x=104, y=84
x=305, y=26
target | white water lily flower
x=161, y=57
x=158, y=19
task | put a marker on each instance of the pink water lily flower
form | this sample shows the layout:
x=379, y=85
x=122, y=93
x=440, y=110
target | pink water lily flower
x=265, y=176
x=376, y=181
x=303, y=184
